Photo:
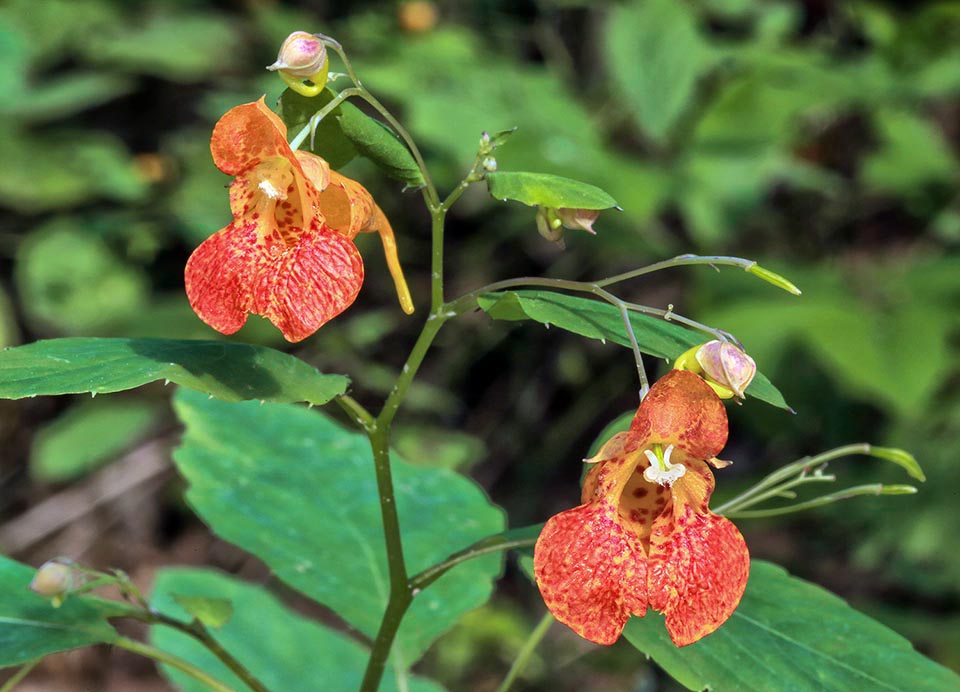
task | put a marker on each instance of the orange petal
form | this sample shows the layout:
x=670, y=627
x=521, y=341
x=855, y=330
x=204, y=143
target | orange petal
x=246, y=135
x=591, y=572
x=698, y=564
x=681, y=409
x=219, y=274
x=310, y=283
x=347, y=205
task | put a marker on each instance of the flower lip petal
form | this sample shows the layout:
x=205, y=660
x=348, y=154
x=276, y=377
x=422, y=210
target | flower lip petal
x=681, y=409
x=592, y=572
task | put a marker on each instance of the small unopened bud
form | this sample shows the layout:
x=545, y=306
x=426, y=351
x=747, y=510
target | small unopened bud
x=490, y=164
x=726, y=365
x=301, y=55
x=54, y=580
x=579, y=219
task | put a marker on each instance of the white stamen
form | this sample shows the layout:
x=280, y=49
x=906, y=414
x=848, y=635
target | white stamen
x=662, y=471
x=270, y=191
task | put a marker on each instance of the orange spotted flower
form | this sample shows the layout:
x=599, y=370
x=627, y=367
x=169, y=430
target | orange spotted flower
x=644, y=536
x=288, y=254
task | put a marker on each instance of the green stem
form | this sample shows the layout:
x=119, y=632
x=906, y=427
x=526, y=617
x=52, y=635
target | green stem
x=805, y=464
x=485, y=547
x=317, y=117
x=174, y=661
x=430, y=191
x=401, y=592
x=679, y=261
x=870, y=489
x=198, y=631
x=358, y=414
x=18, y=677
x=526, y=651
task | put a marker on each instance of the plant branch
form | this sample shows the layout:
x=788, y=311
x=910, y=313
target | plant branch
x=311, y=127
x=198, y=631
x=869, y=489
x=174, y=661
x=18, y=677
x=484, y=547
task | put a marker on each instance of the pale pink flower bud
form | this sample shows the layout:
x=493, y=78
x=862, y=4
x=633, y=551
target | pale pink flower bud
x=727, y=365
x=301, y=55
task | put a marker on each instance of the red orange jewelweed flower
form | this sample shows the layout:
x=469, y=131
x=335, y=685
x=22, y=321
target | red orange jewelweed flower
x=288, y=254
x=644, y=536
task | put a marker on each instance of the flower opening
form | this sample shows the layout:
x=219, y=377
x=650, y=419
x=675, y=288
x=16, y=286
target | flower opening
x=288, y=254
x=644, y=535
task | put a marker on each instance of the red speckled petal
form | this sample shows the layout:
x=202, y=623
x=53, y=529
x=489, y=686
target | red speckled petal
x=699, y=564
x=681, y=409
x=219, y=274
x=591, y=570
x=246, y=135
x=306, y=285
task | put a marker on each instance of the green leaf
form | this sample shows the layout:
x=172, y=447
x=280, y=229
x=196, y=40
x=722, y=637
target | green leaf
x=179, y=47
x=280, y=648
x=71, y=279
x=545, y=190
x=788, y=634
x=656, y=56
x=232, y=372
x=329, y=141
x=88, y=435
x=598, y=320
x=30, y=627
x=298, y=491
x=347, y=131
x=212, y=612
x=381, y=145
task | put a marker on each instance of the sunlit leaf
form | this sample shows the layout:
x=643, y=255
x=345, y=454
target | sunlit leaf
x=252, y=469
x=232, y=372
x=543, y=189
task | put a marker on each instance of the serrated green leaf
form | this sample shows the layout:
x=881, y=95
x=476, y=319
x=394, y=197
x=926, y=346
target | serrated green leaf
x=280, y=648
x=545, y=190
x=88, y=435
x=329, y=141
x=212, y=612
x=232, y=372
x=791, y=635
x=598, y=320
x=30, y=627
x=254, y=468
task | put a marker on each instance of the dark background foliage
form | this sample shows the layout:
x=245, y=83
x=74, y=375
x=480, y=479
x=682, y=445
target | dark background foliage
x=818, y=137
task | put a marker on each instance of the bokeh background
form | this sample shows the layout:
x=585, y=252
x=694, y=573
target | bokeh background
x=819, y=137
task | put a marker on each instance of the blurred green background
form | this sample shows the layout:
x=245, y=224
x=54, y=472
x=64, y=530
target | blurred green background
x=818, y=137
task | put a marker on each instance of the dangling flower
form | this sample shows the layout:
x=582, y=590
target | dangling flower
x=644, y=536
x=289, y=254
